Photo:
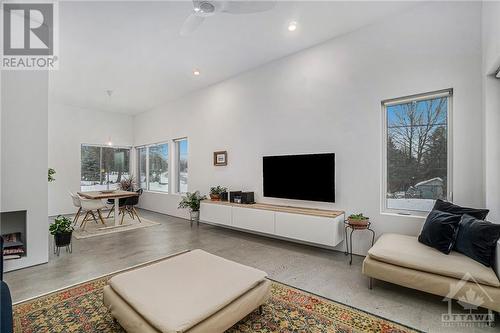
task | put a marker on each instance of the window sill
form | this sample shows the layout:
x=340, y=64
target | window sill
x=160, y=192
x=156, y=192
x=422, y=215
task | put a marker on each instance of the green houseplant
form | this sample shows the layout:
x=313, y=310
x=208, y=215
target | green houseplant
x=358, y=220
x=192, y=201
x=51, y=173
x=62, y=230
x=216, y=191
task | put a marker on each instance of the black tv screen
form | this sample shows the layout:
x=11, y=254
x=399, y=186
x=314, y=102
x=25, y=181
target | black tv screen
x=303, y=177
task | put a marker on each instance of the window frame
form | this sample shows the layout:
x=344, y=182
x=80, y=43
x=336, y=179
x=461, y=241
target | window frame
x=101, y=146
x=177, y=161
x=449, y=129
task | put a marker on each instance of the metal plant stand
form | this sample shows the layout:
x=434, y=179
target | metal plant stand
x=57, y=249
x=348, y=243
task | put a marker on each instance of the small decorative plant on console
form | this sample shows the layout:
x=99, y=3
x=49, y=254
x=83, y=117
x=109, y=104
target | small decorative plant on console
x=216, y=191
x=358, y=220
x=62, y=230
x=192, y=201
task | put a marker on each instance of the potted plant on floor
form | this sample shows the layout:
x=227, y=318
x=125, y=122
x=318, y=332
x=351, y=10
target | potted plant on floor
x=216, y=191
x=192, y=202
x=358, y=221
x=62, y=230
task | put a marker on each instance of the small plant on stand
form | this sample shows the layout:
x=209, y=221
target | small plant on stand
x=358, y=221
x=62, y=231
x=192, y=201
x=216, y=191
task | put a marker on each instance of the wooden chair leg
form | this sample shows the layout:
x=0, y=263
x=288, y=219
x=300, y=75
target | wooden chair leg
x=93, y=216
x=75, y=220
x=100, y=216
x=129, y=211
x=112, y=210
x=135, y=212
x=84, y=220
x=123, y=215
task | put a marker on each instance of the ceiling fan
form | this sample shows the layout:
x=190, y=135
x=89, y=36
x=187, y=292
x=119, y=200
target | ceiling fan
x=206, y=8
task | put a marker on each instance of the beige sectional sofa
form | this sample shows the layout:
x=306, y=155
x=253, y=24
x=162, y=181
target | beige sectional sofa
x=402, y=260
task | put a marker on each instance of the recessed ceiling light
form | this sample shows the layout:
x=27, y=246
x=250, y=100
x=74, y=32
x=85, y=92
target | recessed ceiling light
x=292, y=26
x=196, y=9
x=196, y=72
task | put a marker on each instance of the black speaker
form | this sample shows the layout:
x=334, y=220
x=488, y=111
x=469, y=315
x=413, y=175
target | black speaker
x=233, y=194
x=247, y=198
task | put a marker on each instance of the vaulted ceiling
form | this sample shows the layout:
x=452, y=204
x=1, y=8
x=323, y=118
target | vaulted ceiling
x=135, y=49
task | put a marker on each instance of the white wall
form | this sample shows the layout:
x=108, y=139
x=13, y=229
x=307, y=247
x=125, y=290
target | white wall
x=491, y=95
x=327, y=99
x=24, y=158
x=69, y=127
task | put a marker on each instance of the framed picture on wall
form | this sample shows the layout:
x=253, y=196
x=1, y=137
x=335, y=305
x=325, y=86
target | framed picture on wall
x=220, y=158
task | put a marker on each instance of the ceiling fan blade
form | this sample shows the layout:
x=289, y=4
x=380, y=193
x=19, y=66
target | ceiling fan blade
x=191, y=24
x=247, y=7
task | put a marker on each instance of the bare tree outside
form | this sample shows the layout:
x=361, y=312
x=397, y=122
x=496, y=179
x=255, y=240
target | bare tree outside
x=417, y=155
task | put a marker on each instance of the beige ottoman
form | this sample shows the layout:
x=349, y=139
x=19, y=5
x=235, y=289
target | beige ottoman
x=192, y=292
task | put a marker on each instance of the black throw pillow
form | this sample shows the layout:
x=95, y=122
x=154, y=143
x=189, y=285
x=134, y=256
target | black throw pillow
x=448, y=207
x=440, y=231
x=477, y=239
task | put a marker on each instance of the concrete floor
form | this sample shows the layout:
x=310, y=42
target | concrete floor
x=319, y=271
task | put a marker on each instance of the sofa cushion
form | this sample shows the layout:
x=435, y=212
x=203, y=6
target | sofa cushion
x=448, y=207
x=175, y=294
x=406, y=251
x=477, y=239
x=440, y=231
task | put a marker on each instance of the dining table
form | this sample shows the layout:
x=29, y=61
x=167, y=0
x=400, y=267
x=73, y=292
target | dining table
x=116, y=195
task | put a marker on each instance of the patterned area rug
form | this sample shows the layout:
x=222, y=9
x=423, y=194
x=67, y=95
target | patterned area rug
x=80, y=309
x=93, y=229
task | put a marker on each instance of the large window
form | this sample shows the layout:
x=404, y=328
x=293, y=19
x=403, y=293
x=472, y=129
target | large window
x=158, y=168
x=153, y=167
x=103, y=167
x=142, y=167
x=182, y=165
x=416, y=157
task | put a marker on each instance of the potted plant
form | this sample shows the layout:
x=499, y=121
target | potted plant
x=358, y=220
x=62, y=230
x=216, y=191
x=51, y=173
x=127, y=184
x=192, y=202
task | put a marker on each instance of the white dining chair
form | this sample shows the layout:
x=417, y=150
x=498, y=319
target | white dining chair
x=77, y=204
x=91, y=205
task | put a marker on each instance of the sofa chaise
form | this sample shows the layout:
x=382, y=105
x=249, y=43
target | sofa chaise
x=402, y=260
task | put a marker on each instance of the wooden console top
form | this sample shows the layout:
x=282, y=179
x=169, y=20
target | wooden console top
x=282, y=209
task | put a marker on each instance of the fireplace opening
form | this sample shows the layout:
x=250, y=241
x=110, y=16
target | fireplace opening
x=13, y=231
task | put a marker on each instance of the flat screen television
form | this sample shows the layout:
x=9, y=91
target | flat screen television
x=303, y=177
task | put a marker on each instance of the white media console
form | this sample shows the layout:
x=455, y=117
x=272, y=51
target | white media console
x=316, y=226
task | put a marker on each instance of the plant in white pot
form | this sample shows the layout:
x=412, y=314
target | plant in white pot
x=192, y=202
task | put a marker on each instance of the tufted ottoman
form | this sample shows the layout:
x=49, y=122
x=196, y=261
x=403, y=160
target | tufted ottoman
x=192, y=292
